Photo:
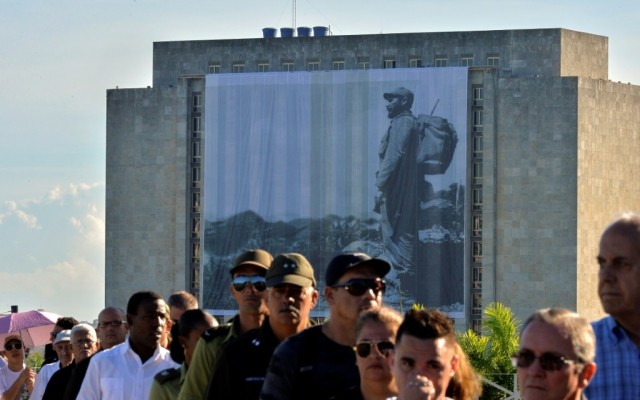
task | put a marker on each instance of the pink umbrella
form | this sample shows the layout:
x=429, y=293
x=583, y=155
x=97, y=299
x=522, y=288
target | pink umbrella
x=33, y=326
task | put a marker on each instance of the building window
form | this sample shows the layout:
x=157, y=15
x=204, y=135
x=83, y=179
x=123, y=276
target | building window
x=195, y=177
x=478, y=96
x=337, y=65
x=477, y=173
x=238, y=68
x=195, y=228
x=195, y=252
x=476, y=304
x=466, y=61
x=477, y=199
x=197, y=103
x=364, y=63
x=476, y=227
x=197, y=124
x=195, y=278
x=478, y=143
x=476, y=278
x=195, y=202
x=196, y=150
x=476, y=251
x=440, y=62
x=263, y=67
x=476, y=324
x=389, y=63
x=415, y=63
x=313, y=65
x=493, y=61
x=287, y=66
x=478, y=120
x=214, y=68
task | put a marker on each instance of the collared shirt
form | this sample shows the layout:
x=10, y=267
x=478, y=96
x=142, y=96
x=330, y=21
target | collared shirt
x=168, y=389
x=204, y=359
x=618, y=361
x=42, y=379
x=119, y=374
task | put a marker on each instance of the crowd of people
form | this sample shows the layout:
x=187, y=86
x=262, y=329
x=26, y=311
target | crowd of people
x=272, y=349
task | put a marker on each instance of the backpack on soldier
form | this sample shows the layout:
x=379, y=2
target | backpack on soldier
x=438, y=140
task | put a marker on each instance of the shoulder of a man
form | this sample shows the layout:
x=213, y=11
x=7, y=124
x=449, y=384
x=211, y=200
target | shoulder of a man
x=167, y=375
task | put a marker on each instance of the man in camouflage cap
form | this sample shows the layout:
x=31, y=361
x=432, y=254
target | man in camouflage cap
x=248, y=289
x=291, y=294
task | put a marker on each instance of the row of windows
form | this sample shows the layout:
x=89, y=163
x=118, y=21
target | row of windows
x=476, y=206
x=362, y=63
x=196, y=183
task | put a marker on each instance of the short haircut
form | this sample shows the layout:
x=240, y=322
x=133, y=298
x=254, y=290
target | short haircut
x=192, y=319
x=66, y=322
x=117, y=310
x=384, y=315
x=183, y=300
x=628, y=224
x=140, y=297
x=572, y=326
x=84, y=328
x=427, y=324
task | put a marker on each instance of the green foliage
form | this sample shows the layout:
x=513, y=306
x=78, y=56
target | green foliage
x=490, y=353
x=34, y=360
x=417, y=306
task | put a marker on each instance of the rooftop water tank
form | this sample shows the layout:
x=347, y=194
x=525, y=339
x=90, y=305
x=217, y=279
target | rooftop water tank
x=286, y=32
x=320, y=31
x=268, y=33
x=304, y=31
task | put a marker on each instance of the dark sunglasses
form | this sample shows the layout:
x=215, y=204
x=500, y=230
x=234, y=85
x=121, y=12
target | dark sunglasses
x=114, y=324
x=358, y=287
x=364, y=348
x=548, y=361
x=11, y=346
x=241, y=282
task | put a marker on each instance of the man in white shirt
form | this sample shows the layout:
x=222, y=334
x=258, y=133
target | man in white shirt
x=62, y=347
x=126, y=371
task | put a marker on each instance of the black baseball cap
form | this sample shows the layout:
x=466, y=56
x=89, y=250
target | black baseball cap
x=344, y=262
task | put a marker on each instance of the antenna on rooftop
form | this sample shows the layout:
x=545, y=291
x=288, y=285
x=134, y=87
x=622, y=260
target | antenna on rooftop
x=293, y=15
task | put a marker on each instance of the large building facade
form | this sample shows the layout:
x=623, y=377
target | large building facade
x=552, y=146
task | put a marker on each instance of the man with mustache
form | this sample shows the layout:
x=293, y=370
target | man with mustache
x=618, y=335
x=291, y=295
x=127, y=370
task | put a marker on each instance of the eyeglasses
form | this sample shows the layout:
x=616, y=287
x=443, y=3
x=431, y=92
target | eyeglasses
x=84, y=342
x=11, y=346
x=240, y=282
x=548, y=361
x=358, y=287
x=364, y=348
x=114, y=324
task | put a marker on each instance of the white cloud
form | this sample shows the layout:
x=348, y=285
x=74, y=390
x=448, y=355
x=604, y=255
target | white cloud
x=91, y=226
x=29, y=220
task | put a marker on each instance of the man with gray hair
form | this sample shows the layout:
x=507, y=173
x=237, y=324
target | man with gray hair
x=618, y=335
x=84, y=343
x=556, y=355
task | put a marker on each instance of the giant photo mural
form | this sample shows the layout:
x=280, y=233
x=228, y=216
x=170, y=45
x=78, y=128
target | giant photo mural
x=321, y=163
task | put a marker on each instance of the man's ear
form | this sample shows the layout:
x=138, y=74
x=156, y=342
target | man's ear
x=129, y=319
x=454, y=363
x=328, y=295
x=587, y=374
x=314, y=298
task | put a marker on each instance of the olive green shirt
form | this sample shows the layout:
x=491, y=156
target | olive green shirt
x=204, y=359
x=166, y=385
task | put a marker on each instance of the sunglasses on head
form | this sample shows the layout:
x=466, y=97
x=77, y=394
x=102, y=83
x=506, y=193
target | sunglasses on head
x=358, y=287
x=364, y=348
x=240, y=283
x=548, y=361
x=11, y=346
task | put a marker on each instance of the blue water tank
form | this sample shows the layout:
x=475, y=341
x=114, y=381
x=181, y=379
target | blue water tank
x=286, y=32
x=320, y=31
x=268, y=33
x=304, y=31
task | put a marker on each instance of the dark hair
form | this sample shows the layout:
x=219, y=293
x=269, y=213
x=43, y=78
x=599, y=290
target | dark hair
x=191, y=319
x=183, y=300
x=66, y=322
x=139, y=298
x=426, y=324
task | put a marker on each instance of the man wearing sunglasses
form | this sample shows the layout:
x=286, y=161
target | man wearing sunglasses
x=15, y=379
x=618, y=334
x=248, y=290
x=319, y=362
x=291, y=295
x=555, y=359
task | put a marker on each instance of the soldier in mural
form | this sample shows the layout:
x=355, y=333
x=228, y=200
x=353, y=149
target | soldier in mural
x=397, y=181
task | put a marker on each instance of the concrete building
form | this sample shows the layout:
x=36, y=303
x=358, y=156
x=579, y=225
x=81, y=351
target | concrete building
x=552, y=146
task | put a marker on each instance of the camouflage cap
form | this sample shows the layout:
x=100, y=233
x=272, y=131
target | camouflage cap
x=257, y=257
x=290, y=268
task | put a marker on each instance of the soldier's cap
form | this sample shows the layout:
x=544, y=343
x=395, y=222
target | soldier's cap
x=344, y=262
x=63, y=336
x=258, y=257
x=290, y=268
x=398, y=92
x=12, y=336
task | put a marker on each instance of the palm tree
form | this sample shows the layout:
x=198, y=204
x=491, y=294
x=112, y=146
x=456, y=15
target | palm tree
x=490, y=354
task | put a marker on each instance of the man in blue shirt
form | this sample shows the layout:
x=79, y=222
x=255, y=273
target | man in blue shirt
x=618, y=335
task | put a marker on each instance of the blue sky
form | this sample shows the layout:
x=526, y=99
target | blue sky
x=58, y=58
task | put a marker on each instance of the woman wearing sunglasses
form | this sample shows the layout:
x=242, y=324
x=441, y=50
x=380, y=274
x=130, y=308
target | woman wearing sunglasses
x=556, y=355
x=15, y=379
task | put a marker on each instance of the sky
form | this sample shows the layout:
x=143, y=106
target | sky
x=59, y=57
